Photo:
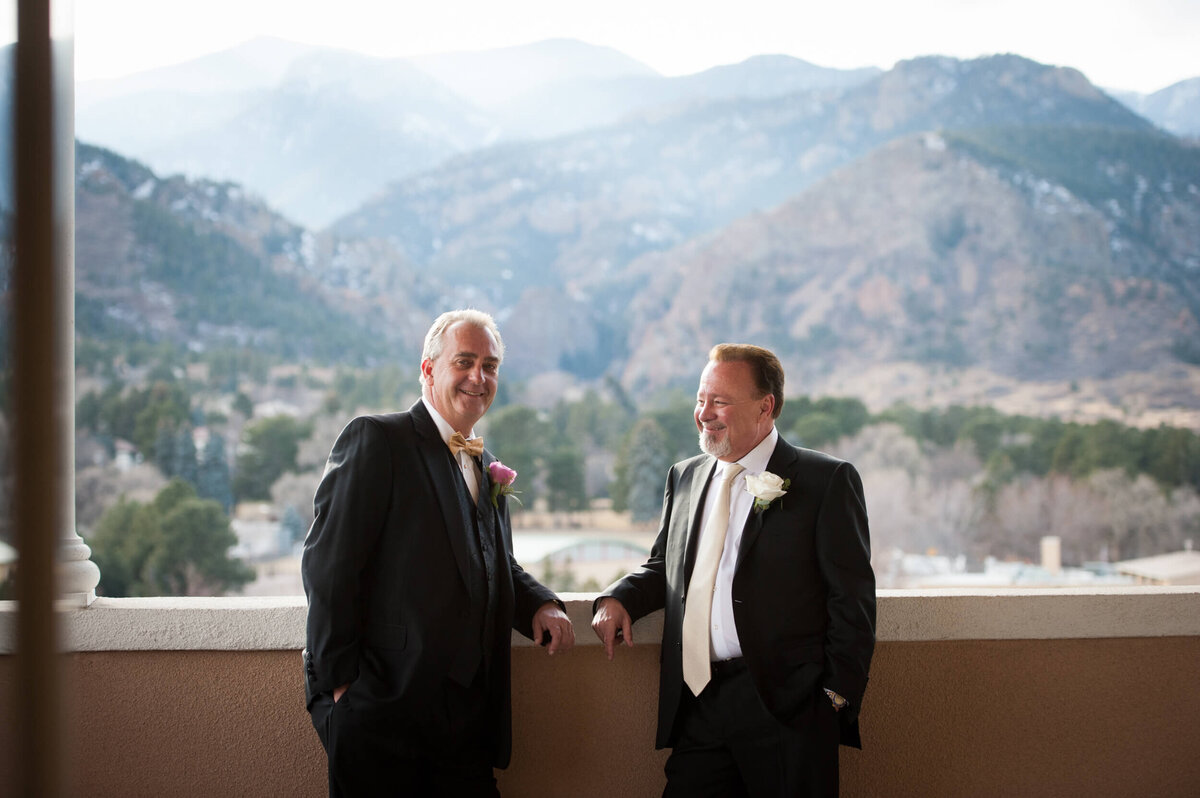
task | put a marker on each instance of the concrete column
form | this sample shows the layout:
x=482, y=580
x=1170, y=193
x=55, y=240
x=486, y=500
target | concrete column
x=53, y=561
x=76, y=575
x=1052, y=554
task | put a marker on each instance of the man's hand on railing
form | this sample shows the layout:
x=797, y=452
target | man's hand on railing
x=612, y=624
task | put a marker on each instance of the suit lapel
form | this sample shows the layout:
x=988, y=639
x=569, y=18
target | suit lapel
x=435, y=457
x=781, y=463
x=701, y=477
x=484, y=503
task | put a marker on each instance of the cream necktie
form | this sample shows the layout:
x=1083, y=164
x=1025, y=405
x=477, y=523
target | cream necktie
x=697, y=615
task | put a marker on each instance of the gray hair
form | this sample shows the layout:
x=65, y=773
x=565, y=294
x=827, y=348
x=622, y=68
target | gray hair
x=435, y=339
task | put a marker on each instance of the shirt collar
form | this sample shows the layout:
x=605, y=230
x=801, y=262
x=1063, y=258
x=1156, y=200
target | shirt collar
x=444, y=428
x=755, y=461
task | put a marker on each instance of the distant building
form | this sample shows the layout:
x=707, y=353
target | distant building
x=259, y=539
x=1176, y=568
x=905, y=570
x=200, y=436
x=598, y=558
x=125, y=455
x=275, y=407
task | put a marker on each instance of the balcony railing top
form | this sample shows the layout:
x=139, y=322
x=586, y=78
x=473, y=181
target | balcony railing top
x=277, y=623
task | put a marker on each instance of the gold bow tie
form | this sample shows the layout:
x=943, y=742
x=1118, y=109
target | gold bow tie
x=458, y=443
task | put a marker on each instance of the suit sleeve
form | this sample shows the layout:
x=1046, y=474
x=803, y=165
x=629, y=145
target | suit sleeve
x=528, y=593
x=645, y=590
x=350, y=508
x=844, y=556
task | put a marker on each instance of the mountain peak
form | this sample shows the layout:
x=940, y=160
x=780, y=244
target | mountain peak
x=253, y=64
x=995, y=89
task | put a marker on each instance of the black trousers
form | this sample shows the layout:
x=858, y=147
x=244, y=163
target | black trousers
x=437, y=745
x=730, y=746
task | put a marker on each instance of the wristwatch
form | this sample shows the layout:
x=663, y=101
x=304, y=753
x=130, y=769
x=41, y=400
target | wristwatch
x=839, y=703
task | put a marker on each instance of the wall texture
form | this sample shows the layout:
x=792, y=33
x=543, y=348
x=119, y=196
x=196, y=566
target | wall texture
x=1067, y=717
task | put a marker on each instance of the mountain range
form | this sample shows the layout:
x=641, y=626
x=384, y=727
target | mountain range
x=203, y=265
x=318, y=131
x=978, y=228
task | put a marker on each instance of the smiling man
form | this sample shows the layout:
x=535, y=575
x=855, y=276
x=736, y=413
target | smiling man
x=412, y=588
x=763, y=564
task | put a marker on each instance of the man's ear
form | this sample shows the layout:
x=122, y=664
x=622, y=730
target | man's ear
x=768, y=404
x=426, y=370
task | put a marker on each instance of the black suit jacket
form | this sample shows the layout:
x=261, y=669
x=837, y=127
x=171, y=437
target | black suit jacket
x=803, y=588
x=394, y=578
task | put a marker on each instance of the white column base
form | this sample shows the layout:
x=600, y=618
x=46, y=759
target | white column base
x=76, y=575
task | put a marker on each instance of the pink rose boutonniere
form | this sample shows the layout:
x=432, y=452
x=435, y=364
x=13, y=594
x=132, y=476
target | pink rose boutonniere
x=502, y=478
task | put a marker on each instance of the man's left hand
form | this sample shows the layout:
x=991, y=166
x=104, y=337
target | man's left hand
x=550, y=618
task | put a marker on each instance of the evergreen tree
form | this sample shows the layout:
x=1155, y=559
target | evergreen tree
x=162, y=405
x=271, y=448
x=177, y=545
x=677, y=424
x=816, y=424
x=164, y=451
x=517, y=436
x=212, y=474
x=565, y=485
x=814, y=431
x=193, y=558
x=592, y=421
x=243, y=404
x=184, y=456
x=648, y=462
x=293, y=525
x=120, y=546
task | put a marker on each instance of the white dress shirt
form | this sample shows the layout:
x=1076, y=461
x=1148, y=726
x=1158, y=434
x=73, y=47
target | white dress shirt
x=470, y=470
x=725, y=642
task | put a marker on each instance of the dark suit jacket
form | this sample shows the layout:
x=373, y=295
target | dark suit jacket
x=803, y=588
x=394, y=579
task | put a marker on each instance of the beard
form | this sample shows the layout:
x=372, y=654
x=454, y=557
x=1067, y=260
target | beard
x=711, y=445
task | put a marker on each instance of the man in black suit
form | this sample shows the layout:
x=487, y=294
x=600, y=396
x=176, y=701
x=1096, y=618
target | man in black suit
x=412, y=588
x=770, y=610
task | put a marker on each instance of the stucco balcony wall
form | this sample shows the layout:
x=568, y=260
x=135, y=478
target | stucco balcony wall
x=973, y=693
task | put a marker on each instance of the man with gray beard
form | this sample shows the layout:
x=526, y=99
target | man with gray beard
x=763, y=565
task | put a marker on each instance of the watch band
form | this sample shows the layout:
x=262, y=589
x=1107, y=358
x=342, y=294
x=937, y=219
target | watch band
x=839, y=703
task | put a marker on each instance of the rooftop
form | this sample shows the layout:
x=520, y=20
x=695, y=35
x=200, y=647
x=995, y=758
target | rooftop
x=1176, y=568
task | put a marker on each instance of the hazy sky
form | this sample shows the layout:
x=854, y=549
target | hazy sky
x=1124, y=44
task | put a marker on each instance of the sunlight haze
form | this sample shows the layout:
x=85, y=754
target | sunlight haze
x=1141, y=45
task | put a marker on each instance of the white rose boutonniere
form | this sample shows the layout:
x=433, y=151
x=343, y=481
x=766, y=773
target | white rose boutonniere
x=765, y=488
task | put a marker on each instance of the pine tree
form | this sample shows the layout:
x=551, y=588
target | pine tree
x=648, y=462
x=565, y=485
x=212, y=473
x=164, y=450
x=517, y=436
x=176, y=545
x=293, y=525
x=271, y=448
x=183, y=454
